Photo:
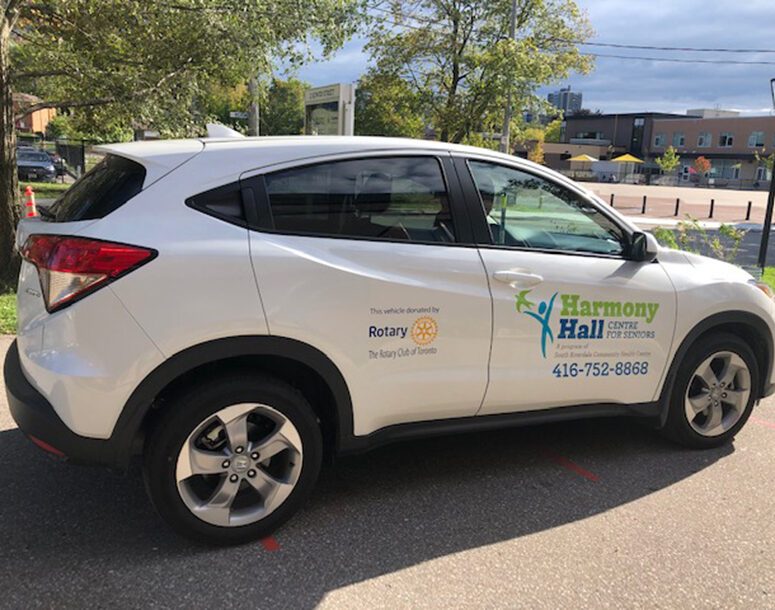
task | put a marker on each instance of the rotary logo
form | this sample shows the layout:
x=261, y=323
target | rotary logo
x=424, y=330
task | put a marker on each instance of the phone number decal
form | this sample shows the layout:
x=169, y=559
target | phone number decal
x=600, y=369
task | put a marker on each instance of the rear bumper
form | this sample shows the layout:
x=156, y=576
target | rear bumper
x=37, y=419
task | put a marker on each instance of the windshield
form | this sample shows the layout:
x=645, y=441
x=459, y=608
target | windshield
x=36, y=157
x=103, y=189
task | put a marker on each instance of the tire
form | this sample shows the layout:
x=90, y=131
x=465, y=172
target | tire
x=189, y=438
x=721, y=353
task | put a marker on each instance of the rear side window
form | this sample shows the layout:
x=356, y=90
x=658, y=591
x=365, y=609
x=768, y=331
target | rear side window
x=103, y=189
x=224, y=202
x=397, y=198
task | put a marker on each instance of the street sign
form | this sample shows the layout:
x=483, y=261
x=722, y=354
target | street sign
x=329, y=110
x=238, y=115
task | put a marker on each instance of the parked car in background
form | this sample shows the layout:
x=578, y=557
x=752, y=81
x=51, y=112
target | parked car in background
x=35, y=165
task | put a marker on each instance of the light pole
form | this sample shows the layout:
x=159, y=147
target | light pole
x=506, y=132
x=770, y=202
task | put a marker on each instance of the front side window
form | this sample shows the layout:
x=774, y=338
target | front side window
x=678, y=139
x=704, y=140
x=726, y=139
x=527, y=211
x=398, y=198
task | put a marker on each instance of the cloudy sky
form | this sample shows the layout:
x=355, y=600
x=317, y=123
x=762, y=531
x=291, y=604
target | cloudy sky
x=633, y=85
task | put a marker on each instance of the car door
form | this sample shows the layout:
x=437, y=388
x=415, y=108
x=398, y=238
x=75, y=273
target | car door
x=575, y=321
x=370, y=259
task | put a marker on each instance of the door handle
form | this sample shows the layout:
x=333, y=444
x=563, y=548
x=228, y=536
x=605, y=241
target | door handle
x=518, y=277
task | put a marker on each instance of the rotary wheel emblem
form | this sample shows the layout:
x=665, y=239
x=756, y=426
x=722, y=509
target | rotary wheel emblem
x=424, y=330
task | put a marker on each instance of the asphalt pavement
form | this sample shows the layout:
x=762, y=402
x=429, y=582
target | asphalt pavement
x=594, y=514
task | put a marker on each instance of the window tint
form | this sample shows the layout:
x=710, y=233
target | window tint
x=383, y=198
x=103, y=189
x=223, y=202
x=524, y=210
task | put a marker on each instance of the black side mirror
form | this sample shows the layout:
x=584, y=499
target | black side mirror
x=643, y=247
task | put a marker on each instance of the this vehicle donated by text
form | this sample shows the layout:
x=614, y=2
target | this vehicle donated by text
x=232, y=310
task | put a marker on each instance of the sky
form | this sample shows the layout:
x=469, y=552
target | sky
x=632, y=85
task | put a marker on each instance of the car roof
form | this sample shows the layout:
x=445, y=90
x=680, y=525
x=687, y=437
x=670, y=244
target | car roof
x=162, y=156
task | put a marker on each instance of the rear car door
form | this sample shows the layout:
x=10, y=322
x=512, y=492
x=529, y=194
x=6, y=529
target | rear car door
x=575, y=321
x=370, y=259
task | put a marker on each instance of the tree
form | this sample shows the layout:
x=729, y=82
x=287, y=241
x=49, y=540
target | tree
x=669, y=161
x=701, y=166
x=282, y=108
x=553, y=131
x=765, y=160
x=386, y=105
x=457, y=57
x=124, y=62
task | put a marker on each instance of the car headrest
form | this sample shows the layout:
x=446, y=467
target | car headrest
x=375, y=194
x=487, y=192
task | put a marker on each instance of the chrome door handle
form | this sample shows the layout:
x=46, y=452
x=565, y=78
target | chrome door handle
x=518, y=277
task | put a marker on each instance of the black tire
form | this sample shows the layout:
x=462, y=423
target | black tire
x=677, y=427
x=185, y=412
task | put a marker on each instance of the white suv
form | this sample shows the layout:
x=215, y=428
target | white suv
x=235, y=309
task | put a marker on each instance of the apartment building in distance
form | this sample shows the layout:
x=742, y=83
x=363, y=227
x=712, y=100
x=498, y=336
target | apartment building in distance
x=729, y=141
x=566, y=100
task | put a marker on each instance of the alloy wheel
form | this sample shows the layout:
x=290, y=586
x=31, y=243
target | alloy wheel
x=718, y=393
x=239, y=465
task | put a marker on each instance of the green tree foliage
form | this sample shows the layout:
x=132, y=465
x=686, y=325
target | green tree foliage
x=121, y=63
x=386, y=105
x=765, y=160
x=669, y=161
x=457, y=58
x=282, y=108
x=553, y=131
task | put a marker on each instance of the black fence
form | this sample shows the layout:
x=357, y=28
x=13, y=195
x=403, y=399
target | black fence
x=78, y=155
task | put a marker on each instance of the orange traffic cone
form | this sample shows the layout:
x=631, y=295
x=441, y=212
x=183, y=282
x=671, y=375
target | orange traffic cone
x=29, y=204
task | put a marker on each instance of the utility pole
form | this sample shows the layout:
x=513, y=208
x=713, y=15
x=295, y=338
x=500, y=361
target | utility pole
x=506, y=131
x=253, y=110
x=770, y=204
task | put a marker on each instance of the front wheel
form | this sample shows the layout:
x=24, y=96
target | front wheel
x=232, y=460
x=714, y=392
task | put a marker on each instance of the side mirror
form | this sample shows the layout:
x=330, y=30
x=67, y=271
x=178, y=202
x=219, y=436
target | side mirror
x=643, y=247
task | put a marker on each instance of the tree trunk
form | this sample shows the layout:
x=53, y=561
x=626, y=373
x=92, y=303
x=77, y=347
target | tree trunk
x=9, y=182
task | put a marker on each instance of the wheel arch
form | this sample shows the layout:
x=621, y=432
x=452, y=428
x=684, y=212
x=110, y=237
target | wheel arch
x=744, y=324
x=296, y=362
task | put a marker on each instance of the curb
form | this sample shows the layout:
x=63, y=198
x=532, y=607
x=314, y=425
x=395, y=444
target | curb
x=705, y=224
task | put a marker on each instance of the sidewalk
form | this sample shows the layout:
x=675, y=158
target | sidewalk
x=729, y=206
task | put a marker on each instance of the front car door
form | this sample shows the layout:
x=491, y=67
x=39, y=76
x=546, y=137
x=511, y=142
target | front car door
x=370, y=259
x=575, y=321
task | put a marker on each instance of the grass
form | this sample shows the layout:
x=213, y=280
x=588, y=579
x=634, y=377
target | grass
x=7, y=314
x=44, y=190
x=768, y=277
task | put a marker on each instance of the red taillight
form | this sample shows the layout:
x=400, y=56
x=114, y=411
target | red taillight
x=71, y=267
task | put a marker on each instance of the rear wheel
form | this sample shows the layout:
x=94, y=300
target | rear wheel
x=232, y=460
x=714, y=392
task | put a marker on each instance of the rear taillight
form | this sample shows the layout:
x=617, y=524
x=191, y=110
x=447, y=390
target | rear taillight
x=72, y=267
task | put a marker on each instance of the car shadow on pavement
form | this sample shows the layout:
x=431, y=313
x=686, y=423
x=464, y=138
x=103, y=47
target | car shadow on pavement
x=83, y=536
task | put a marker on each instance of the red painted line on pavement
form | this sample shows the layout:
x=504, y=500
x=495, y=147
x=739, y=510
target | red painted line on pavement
x=558, y=459
x=761, y=421
x=270, y=544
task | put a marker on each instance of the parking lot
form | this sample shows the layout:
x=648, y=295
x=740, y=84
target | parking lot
x=597, y=514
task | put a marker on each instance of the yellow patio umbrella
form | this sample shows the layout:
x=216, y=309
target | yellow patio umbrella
x=583, y=158
x=628, y=158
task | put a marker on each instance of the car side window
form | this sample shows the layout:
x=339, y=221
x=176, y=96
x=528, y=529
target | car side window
x=524, y=210
x=395, y=198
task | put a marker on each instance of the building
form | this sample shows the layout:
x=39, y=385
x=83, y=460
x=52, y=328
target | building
x=565, y=100
x=631, y=132
x=31, y=122
x=730, y=143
